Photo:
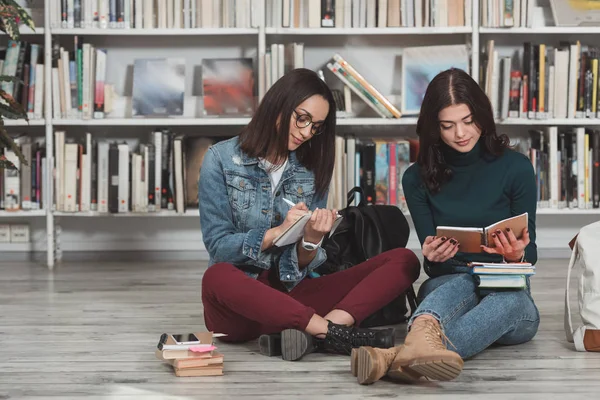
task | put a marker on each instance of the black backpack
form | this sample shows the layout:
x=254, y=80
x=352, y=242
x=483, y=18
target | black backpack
x=366, y=231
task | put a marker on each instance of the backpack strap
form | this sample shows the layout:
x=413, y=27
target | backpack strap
x=573, y=336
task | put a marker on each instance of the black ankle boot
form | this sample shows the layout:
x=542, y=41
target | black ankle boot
x=341, y=339
x=270, y=345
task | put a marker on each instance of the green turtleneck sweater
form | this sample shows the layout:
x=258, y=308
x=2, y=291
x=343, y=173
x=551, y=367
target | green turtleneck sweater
x=483, y=190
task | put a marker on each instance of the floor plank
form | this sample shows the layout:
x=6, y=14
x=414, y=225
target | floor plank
x=89, y=330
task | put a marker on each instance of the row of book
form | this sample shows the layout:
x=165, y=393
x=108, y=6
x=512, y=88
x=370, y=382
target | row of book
x=507, y=13
x=367, y=13
x=551, y=82
x=105, y=176
x=566, y=162
x=95, y=174
x=152, y=14
x=24, y=61
x=80, y=90
x=567, y=166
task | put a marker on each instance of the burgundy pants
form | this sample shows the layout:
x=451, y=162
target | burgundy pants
x=245, y=308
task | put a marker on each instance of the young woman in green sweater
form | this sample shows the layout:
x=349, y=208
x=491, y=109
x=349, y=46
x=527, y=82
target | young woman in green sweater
x=465, y=175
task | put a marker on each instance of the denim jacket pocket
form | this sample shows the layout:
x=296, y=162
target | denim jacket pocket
x=241, y=190
x=300, y=190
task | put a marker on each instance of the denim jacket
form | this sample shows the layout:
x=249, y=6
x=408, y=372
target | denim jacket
x=237, y=207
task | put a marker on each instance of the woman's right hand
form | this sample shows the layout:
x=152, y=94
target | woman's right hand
x=439, y=249
x=293, y=215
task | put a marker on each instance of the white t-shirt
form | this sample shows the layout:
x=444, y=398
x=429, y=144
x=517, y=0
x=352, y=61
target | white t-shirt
x=274, y=175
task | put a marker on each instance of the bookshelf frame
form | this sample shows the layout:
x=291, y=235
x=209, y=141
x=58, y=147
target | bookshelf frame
x=473, y=34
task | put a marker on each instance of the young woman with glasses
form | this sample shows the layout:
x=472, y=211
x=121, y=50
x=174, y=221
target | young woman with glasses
x=255, y=288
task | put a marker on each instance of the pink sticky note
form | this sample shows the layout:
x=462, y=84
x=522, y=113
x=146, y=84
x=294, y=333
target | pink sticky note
x=202, y=348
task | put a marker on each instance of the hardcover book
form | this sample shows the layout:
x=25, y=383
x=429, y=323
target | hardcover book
x=471, y=239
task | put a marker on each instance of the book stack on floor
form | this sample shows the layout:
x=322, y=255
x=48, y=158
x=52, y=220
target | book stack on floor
x=494, y=276
x=191, y=358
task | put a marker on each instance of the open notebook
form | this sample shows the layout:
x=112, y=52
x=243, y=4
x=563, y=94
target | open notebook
x=471, y=239
x=296, y=230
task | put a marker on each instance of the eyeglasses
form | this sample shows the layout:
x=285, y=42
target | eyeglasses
x=304, y=120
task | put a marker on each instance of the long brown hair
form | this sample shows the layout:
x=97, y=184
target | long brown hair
x=451, y=87
x=266, y=136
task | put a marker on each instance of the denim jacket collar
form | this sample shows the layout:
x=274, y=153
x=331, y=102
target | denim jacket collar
x=293, y=165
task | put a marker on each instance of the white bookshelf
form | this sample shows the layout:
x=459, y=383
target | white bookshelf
x=370, y=31
x=167, y=230
x=155, y=32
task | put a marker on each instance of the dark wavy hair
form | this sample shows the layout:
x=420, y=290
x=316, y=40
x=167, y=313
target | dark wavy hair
x=264, y=135
x=451, y=87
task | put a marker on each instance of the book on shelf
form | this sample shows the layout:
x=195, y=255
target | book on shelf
x=23, y=189
x=367, y=14
x=24, y=61
x=152, y=14
x=471, y=238
x=157, y=174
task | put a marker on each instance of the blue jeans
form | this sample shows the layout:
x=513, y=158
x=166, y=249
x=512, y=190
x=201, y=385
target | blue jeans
x=473, y=323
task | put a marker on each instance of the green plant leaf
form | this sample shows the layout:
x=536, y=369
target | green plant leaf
x=8, y=142
x=12, y=107
x=5, y=164
x=7, y=78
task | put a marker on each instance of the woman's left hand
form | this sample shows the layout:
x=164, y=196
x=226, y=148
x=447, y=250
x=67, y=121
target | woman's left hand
x=507, y=245
x=321, y=222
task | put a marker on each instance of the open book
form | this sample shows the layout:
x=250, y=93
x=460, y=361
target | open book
x=296, y=230
x=471, y=239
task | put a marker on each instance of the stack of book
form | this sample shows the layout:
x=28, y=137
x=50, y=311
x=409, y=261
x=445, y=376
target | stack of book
x=493, y=276
x=197, y=358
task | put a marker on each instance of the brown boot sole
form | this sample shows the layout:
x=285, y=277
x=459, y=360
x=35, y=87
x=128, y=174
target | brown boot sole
x=354, y=361
x=438, y=370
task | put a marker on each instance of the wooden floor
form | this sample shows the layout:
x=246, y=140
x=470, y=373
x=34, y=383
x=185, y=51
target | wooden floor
x=89, y=330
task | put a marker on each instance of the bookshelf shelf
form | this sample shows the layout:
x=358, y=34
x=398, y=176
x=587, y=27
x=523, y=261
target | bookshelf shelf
x=160, y=214
x=369, y=31
x=152, y=122
x=376, y=121
x=22, y=213
x=22, y=122
x=546, y=30
x=15, y=247
x=155, y=32
x=568, y=211
x=552, y=122
x=25, y=30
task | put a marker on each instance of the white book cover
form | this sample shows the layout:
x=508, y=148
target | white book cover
x=123, y=191
x=134, y=183
x=157, y=169
x=178, y=161
x=581, y=167
x=70, y=177
x=86, y=174
x=103, y=176
x=12, y=183
x=553, y=161
x=59, y=168
x=56, y=112
x=146, y=176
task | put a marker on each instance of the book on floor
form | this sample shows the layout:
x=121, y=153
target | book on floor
x=191, y=355
x=471, y=239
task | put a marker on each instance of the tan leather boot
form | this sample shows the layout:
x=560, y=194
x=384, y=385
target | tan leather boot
x=425, y=353
x=372, y=364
